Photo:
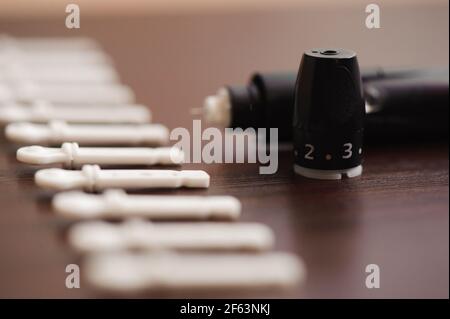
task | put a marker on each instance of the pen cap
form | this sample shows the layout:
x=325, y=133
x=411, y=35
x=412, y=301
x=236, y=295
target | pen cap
x=328, y=111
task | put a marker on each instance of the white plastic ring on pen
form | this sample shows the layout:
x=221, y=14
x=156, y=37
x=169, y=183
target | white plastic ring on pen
x=116, y=204
x=132, y=235
x=57, y=132
x=93, y=178
x=73, y=156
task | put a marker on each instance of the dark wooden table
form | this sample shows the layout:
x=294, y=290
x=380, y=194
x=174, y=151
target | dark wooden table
x=395, y=215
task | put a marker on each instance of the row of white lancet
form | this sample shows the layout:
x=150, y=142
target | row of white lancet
x=65, y=91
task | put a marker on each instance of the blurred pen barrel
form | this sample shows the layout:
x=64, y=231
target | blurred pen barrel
x=408, y=110
x=266, y=102
x=329, y=114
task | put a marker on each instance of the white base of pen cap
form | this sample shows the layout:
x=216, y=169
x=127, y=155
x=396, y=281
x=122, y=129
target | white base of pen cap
x=328, y=174
x=217, y=108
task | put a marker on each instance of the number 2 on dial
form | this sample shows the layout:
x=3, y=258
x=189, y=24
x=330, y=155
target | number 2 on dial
x=310, y=151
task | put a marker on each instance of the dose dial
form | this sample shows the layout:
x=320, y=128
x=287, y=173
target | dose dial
x=328, y=115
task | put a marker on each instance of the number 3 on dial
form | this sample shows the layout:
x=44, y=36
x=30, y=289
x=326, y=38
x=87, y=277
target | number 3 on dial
x=348, y=150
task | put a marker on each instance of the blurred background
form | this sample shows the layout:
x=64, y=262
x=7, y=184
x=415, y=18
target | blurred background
x=47, y=8
x=222, y=42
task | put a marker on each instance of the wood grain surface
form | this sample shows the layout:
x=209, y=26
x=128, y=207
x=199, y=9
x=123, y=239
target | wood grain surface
x=394, y=215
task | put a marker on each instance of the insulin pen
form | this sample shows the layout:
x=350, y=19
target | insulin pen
x=400, y=104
